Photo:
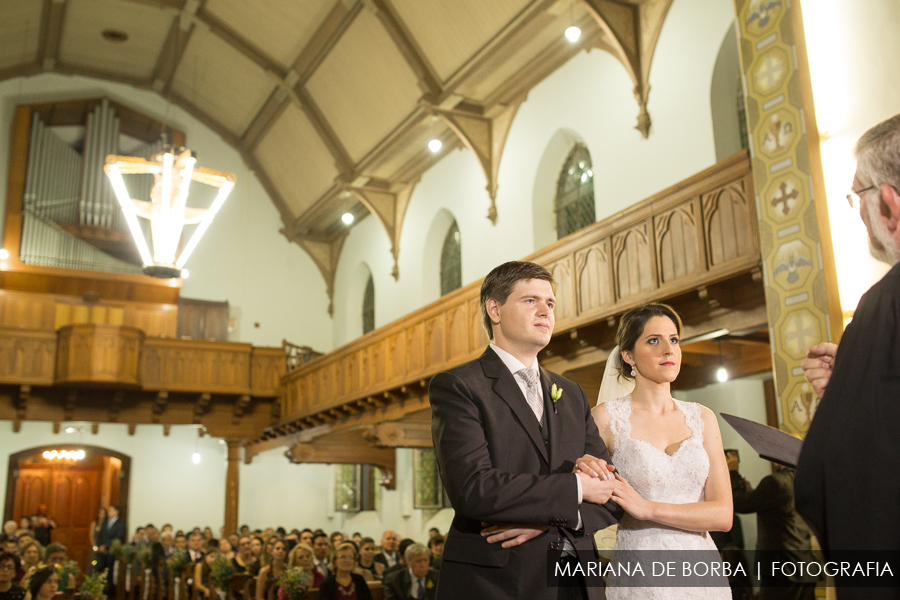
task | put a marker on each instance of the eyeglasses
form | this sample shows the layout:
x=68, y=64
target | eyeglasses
x=855, y=198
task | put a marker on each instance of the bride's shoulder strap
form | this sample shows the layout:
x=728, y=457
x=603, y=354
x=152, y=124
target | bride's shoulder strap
x=693, y=416
x=618, y=411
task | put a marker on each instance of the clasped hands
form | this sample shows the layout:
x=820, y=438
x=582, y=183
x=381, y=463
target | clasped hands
x=598, y=485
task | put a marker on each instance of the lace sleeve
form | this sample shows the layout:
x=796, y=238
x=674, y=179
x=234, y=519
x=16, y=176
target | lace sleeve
x=693, y=417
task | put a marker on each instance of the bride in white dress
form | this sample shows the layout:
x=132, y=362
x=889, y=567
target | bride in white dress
x=671, y=476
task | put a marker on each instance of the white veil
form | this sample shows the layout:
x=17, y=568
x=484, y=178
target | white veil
x=610, y=386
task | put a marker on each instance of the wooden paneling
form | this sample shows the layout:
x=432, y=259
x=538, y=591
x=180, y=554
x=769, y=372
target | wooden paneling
x=655, y=249
x=27, y=357
x=98, y=354
x=196, y=366
x=202, y=319
x=266, y=368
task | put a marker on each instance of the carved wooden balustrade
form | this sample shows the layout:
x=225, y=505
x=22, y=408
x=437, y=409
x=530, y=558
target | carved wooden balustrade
x=699, y=233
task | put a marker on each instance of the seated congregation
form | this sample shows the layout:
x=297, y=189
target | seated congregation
x=270, y=564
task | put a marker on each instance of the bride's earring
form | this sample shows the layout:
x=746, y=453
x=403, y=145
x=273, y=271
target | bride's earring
x=632, y=371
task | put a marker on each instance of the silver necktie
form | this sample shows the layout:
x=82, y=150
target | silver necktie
x=534, y=397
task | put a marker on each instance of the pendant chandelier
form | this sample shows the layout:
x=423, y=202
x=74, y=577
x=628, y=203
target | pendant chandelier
x=173, y=170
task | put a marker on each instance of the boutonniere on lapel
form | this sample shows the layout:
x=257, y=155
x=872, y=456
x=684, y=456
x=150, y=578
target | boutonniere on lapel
x=555, y=395
x=429, y=584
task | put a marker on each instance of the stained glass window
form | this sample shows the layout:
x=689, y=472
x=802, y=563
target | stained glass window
x=575, y=193
x=451, y=261
x=346, y=488
x=368, y=307
x=429, y=493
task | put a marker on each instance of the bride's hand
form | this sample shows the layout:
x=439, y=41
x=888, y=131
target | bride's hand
x=593, y=466
x=633, y=503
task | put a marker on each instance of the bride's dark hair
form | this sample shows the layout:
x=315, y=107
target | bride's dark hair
x=632, y=326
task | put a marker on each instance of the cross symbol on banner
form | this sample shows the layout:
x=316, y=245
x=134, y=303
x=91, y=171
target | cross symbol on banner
x=769, y=73
x=782, y=196
x=800, y=333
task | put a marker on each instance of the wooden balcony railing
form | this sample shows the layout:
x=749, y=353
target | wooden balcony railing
x=697, y=233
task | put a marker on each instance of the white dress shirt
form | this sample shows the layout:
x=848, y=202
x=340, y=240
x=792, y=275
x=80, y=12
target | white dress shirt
x=515, y=365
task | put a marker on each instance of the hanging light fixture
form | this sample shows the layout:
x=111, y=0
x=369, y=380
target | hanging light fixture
x=167, y=210
x=721, y=372
x=573, y=32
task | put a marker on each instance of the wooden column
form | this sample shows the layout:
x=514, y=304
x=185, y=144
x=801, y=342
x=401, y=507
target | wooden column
x=797, y=266
x=231, y=485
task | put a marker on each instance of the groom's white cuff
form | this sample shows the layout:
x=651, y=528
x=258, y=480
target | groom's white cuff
x=580, y=498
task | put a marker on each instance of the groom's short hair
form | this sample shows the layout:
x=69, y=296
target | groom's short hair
x=500, y=282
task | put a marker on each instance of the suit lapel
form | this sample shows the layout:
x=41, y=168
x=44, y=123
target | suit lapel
x=550, y=412
x=505, y=386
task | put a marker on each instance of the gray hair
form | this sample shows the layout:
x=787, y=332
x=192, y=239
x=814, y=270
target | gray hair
x=878, y=153
x=415, y=550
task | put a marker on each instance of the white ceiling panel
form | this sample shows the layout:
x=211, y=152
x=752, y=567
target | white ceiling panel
x=20, y=26
x=296, y=160
x=449, y=33
x=365, y=87
x=222, y=81
x=83, y=44
x=280, y=28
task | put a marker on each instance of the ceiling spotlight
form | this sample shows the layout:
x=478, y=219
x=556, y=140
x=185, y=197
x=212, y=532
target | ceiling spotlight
x=573, y=33
x=185, y=273
x=196, y=458
x=435, y=145
x=4, y=253
x=347, y=218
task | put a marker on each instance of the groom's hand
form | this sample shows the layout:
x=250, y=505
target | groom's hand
x=510, y=535
x=595, y=490
x=594, y=467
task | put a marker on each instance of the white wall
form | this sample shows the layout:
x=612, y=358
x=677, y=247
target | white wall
x=588, y=99
x=242, y=258
x=743, y=398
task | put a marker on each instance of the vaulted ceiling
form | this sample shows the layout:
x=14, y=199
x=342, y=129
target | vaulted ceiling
x=332, y=102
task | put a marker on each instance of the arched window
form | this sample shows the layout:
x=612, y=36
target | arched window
x=368, y=307
x=451, y=261
x=575, y=193
x=742, y=118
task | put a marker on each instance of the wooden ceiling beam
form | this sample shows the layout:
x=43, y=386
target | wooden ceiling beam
x=52, y=21
x=172, y=52
x=237, y=41
x=342, y=160
x=389, y=207
x=427, y=77
x=350, y=447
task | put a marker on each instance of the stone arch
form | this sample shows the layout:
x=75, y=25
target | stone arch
x=356, y=289
x=431, y=254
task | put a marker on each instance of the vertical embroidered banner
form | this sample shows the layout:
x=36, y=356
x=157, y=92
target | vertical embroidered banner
x=796, y=298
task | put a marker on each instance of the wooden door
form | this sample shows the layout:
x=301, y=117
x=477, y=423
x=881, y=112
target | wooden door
x=75, y=499
x=32, y=492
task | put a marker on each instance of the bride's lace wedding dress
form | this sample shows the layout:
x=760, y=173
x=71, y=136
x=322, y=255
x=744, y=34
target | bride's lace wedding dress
x=679, y=478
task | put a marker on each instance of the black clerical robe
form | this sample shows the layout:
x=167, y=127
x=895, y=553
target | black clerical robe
x=847, y=485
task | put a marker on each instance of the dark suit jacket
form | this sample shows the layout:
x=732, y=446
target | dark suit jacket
x=496, y=468
x=379, y=558
x=397, y=584
x=108, y=534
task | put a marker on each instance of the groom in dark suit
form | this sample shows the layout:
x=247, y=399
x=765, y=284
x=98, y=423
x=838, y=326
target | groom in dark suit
x=507, y=435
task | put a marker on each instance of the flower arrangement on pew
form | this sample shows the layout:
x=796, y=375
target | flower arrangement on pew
x=220, y=572
x=64, y=569
x=177, y=561
x=293, y=583
x=93, y=586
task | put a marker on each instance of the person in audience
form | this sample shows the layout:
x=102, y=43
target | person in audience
x=417, y=580
x=401, y=557
x=207, y=534
x=8, y=565
x=269, y=574
x=203, y=572
x=336, y=539
x=368, y=568
x=244, y=561
x=343, y=583
x=256, y=546
x=9, y=528
x=167, y=527
x=43, y=584
x=321, y=552
x=356, y=538
x=32, y=554
x=234, y=539
x=138, y=538
x=225, y=548
x=180, y=541
x=302, y=557
x=388, y=555
x=94, y=533
x=57, y=554
x=23, y=538
x=306, y=537
x=8, y=544
x=436, y=547
x=167, y=541
x=195, y=545
x=43, y=530
x=244, y=530
x=25, y=523
x=433, y=532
